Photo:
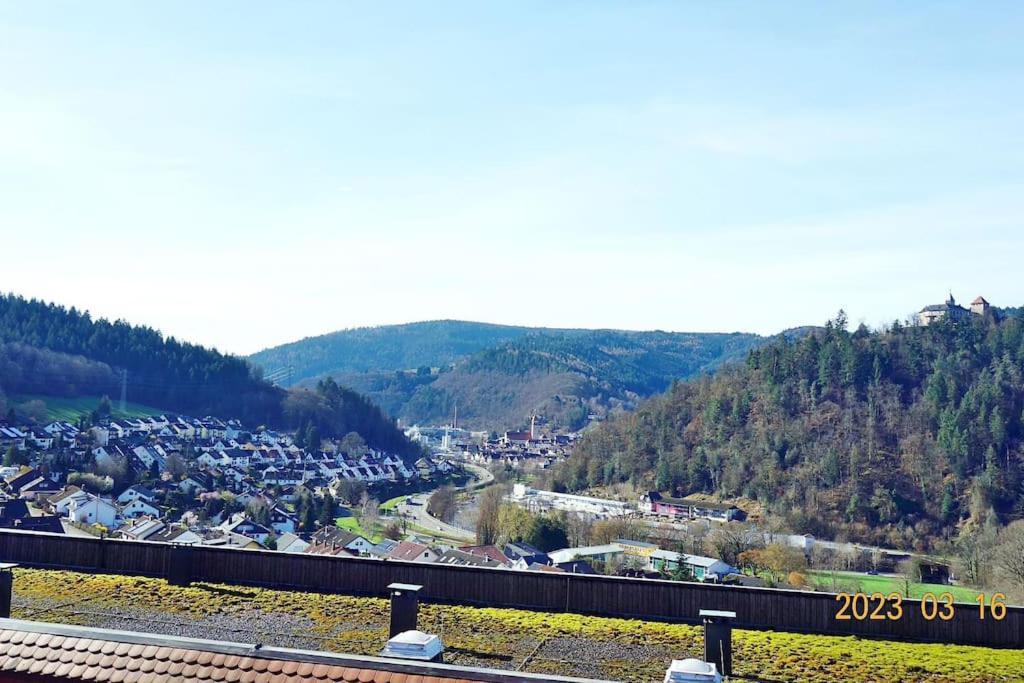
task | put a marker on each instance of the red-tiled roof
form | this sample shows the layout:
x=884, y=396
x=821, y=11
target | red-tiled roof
x=407, y=550
x=57, y=652
x=491, y=552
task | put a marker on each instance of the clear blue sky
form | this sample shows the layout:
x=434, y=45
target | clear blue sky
x=248, y=173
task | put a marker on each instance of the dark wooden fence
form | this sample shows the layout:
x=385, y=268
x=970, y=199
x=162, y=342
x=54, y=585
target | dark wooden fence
x=756, y=608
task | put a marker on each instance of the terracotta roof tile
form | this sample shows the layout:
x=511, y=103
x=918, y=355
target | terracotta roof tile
x=98, y=655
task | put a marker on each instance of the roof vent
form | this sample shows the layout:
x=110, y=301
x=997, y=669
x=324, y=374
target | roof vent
x=692, y=671
x=415, y=645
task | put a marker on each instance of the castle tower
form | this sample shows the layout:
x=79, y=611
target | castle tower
x=979, y=306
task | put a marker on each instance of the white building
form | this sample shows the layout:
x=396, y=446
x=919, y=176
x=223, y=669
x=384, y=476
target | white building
x=92, y=510
x=586, y=505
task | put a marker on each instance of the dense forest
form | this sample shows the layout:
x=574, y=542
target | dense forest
x=900, y=437
x=160, y=371
x=507, y=374
x=436, y=343
x=54, y=351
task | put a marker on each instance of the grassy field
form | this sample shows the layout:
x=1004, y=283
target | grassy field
x=351, y=523
x=391, y=503
x=863, y=583
x=568, y=644
x=70, y=409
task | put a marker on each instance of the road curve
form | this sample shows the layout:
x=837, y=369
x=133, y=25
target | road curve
x=416, y=510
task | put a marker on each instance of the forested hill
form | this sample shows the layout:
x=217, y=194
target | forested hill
x=434, y=343
x=54, y=351
x=161, y=371
x=498, y=377
x=896, y=437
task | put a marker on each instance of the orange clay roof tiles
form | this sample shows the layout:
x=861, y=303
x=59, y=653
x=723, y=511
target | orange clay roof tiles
x=103, y=658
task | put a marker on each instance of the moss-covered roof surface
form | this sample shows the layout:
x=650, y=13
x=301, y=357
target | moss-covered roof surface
x=565, y=644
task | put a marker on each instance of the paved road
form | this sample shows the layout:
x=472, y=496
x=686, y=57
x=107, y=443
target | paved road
x=415, y=510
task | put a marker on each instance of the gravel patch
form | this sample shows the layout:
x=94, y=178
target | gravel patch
x=589, y=658
x=246, y=626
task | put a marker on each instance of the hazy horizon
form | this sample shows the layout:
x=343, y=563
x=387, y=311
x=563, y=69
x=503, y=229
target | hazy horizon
x=243, y=175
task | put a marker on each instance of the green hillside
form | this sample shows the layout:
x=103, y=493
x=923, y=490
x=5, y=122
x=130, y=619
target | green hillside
x=71, y=409
x=907, y=437
x=389, y=347
x=499, y=376
x=57, y=355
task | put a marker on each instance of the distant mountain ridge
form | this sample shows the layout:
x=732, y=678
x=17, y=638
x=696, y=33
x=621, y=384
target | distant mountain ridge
x=500, y=375
x=388, y=347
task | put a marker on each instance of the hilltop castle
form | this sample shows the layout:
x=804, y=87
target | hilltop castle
x=951, y=309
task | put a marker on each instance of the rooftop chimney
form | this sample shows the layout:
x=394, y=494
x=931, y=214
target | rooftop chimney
x=404, y=641
x=718, y=639
x=404, y=607
x=6, y=584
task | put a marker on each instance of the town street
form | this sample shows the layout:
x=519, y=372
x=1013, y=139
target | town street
x=414, y=509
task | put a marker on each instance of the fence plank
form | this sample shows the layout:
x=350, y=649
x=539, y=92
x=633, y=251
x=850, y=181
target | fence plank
x=756, y=608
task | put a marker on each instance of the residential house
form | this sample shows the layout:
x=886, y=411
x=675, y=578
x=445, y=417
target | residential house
x=178, y=534
x=491, y=552
x=593, y=553
x=640, y=549
x=59, y=502
x=137, y=492
x=282, y=521
x=332, y=540
x=409, y=551
x=382, y=549
x=521, y=553
x=11, y=511
x=93, y=510
x=142, y=529
x=460, y=558
x=688, y=508
x=701, y=568
x=195, y=483
x=12, y=436
x=240, y=524
x=31, y=484
x=290, y=543
x=139, y=508
x=49, y=524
